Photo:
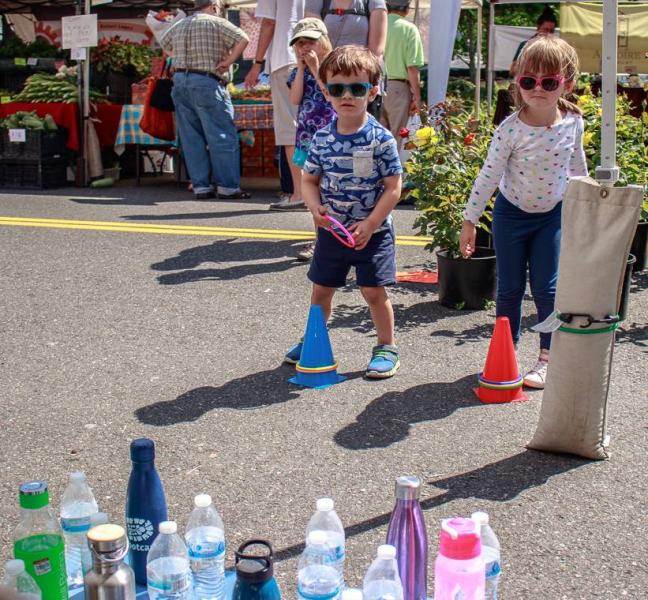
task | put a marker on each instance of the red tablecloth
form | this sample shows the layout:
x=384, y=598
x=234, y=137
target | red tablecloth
x=66, y=115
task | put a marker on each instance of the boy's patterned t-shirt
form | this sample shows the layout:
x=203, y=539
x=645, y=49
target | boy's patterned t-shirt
x=351, y=168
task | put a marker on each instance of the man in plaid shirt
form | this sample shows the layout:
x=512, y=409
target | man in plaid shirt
x=204, y=47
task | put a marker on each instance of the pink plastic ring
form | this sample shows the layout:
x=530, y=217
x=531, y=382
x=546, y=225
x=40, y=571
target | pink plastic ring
x=348, y=240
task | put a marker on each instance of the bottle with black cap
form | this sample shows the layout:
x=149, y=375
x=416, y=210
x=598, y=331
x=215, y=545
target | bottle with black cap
x=145, y=505
x=255, y=573
x=110, y=578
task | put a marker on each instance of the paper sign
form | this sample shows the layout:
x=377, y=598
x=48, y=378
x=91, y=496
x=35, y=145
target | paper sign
x=78, y=54
x=5, y=99
x=17, y=135
x=20, y=61
x=32, y=62
x=79, y=31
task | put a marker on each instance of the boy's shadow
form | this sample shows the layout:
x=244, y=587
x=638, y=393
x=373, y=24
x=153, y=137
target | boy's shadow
x=388, y=419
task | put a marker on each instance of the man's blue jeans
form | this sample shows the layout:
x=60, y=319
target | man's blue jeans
x=208, y=136
x=522, y=238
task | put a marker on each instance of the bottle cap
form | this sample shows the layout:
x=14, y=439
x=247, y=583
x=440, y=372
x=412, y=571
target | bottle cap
x=351, y=594
x=254, y=568
x=14, y=567
x=77, y=477
x=316, y=538
x=202, y=500
x=325, y=504
x=459, y=539
x=408, y=487
x=142, y=450
x=33, y=494
x=386, y=551
x=168, y=527
x=107, y=538
x=480, y=517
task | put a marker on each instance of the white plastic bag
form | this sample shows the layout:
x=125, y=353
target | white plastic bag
x=413, y=125
x=159, y=28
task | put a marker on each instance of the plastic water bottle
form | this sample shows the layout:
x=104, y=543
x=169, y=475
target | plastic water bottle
x=38, y=541
x=318, y=577
x=351, y=594
x=406, y=532
x=205, y=538
x=77, y=506
x=382, y=580
x=491, y=554
x=326, y=519
x=459, y=568
x=21, y=583
x=167, y=566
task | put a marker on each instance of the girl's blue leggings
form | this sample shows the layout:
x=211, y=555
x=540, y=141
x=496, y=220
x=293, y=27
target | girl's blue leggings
x=522, y=238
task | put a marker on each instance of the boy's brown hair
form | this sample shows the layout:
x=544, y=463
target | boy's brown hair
x=350, y=60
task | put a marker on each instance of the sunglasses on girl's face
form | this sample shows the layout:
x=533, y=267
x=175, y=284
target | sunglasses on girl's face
x=359, y=90
x=548, y=84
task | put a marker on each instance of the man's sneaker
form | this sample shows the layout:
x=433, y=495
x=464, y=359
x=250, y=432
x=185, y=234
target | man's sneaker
x=384, y=362
x=307, y=252
x=294, y=354
x=286, y=204
x=537, y=376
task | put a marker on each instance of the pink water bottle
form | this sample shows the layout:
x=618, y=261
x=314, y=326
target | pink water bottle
x=459, y=569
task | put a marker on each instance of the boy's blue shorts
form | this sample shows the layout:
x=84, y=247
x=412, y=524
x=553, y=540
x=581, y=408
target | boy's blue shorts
x=375, y=264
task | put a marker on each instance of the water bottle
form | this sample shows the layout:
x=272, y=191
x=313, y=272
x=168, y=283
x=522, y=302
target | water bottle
x=167, y=567
x=491, y=554
x=205, y=538
x=326, y=519
x=406, y=532
x=255, y=573
x=382, y=579
x=109, y=578
x=459, y=568
x=318, y=577
x=351, y=594
x=21, y=583
x=145, y=505
x=77, y=506
x=38, y=541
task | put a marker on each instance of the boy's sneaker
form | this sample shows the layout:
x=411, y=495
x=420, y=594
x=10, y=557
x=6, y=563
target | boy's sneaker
x=285, y=204
x=294, y=354
x=537, y=376
x=307, y=252
x=384, y=362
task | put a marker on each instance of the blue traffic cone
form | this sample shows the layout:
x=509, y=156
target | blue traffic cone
x=316, y=367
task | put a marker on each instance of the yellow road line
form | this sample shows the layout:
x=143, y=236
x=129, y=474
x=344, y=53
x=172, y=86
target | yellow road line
x=273, y=234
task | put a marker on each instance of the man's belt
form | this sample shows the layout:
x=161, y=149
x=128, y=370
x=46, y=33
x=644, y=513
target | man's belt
x=205, y=73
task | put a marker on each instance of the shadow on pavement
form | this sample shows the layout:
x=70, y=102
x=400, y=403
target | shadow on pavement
x=500, y=481
x=190, y=216
x=226, y=251
x=388, y=419
x=245, y=393
x=633, y=333
x=478, y=333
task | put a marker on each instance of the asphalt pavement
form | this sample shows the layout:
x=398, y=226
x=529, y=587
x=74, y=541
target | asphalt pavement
x=157, y=320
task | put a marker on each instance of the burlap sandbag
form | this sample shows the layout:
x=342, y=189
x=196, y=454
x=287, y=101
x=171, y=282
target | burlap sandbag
x=597, y=227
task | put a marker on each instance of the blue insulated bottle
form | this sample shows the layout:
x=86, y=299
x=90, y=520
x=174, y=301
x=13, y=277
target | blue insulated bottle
x=145, y=505
x=255, y=573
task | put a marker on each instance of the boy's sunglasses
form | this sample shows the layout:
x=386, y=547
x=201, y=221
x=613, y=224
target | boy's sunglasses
x=548, y=84
x=359, y=90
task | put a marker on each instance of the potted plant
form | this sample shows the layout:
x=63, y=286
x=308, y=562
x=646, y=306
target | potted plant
x=450, y=150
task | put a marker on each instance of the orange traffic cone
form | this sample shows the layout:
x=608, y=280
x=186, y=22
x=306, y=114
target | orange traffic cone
x=501, y=380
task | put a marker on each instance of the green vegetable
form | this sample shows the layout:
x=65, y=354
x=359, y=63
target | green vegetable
x=103, y=183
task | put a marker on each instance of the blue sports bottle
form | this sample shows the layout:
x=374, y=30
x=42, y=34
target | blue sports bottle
x=255, y=574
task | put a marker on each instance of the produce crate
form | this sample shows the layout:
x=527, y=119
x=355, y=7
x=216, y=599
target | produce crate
x=33, y=173
x=37, y=144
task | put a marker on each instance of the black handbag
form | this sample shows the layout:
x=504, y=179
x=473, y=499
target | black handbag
x=162, y=86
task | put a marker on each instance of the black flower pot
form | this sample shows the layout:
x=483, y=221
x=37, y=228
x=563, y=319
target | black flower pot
x=640, y=246
x=467, y=283
x=625, y=289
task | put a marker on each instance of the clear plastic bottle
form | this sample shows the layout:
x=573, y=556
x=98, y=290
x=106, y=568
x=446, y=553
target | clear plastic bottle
x=326, y=519
x=382, y=579
x=168, y=576
x=77, y=506
x=491, y=553
x=21, y=583
x=351, y=594
x=205, y=538
x=318, y=578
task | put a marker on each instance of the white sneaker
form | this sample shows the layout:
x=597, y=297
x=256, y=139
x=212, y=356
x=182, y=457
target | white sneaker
x=285, y=204
x=537, y=376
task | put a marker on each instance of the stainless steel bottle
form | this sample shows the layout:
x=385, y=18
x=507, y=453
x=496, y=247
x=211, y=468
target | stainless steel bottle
x=110, y=578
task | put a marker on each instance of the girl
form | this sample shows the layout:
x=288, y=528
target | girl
x=312, y=45
x=533, y=154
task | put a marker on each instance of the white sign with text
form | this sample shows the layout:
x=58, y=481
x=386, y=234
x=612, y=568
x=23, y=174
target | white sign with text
x=79, y=31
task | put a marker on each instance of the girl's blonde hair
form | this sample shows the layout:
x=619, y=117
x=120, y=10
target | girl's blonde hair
x=325, y=42
x=549, y=54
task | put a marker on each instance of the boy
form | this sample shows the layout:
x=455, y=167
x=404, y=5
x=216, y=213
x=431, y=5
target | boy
x=353, y=173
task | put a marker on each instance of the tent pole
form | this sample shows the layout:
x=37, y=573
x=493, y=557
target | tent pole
x=478, y=62
x=607, y=171
x=489, y=70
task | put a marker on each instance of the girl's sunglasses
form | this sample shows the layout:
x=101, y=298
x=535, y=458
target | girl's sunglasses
x=359, y=90
x=548, y=84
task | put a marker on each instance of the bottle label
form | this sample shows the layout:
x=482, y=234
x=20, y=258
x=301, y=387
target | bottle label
x=206, y=550
x=139, y=530
x=44, y=557
x=493, y=569
x=175, y=584
x=334, y=555
x=75, y=525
